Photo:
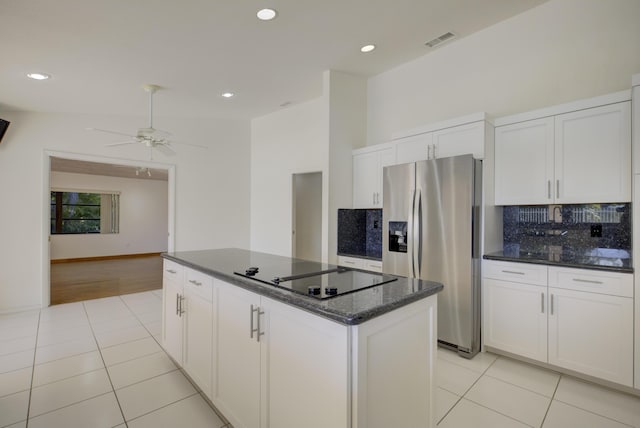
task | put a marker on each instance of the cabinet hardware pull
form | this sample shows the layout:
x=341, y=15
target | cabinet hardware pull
x=181, y=308
x=171, y=271
x=548, y=189
x=558, y=189
x=194, y=282
x=177, y=304
x=429, y=152
x=259, y=333
x=588, y=281
x=551, y=306
x=513, y=272
x=251, y=329
x=542, y=302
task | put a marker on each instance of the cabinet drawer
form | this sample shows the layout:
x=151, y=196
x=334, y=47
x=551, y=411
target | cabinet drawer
x=373, y=265
x=351, y=262
x=515, y=272
x=173, y=271
x=612, y=283
x=200, y=284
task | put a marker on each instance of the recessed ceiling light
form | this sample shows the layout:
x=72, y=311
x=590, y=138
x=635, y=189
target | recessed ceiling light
x=367, y=48
x=227, y=94
x=266, y=14
x=38, y=76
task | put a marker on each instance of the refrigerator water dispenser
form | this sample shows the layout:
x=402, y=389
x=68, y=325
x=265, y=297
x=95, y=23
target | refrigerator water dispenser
x=398, y=236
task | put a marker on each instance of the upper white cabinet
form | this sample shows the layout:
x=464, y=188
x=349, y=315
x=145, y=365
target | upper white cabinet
x=460, y=140
x=579, y=157
x=442, y=143
x=524, y=163
x=367, y=175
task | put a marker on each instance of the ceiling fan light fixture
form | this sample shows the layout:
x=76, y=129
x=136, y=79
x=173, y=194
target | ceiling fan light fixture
x=266, y=14
x=38, y=76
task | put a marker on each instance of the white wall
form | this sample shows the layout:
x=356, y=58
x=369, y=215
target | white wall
x=212, y=187
x=143, y=217
x=290, y=141
x=558, y=52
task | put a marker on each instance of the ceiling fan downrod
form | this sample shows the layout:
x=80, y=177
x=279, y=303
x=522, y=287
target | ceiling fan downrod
x=151, y=89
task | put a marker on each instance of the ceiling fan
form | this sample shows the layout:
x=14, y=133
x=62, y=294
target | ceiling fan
x=149, y=136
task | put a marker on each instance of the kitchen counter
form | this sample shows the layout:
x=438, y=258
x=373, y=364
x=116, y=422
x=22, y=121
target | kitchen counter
x=597, y=259
x=349, y=309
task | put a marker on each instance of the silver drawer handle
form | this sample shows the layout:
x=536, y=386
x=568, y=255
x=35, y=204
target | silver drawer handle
x=171, y=271
x=513, y=272
x=194, y=282
x=588, y=281
x=349, y=262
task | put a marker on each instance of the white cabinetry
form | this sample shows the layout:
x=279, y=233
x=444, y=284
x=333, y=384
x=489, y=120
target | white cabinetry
x=576, y=319
x=274, y=363
x=172, y=316
x=514, y=308
x=577, y=157
x=358, y=263
x=367, y=175
x=442, y=143
x=591, y=330
x=198, y=328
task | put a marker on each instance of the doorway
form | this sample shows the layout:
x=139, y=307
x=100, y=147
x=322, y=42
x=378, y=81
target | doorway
x=307, y=216
x=116, y=259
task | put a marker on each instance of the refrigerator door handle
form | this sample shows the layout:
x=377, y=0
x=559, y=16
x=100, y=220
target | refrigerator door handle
x=410, y=235
x=417, y=233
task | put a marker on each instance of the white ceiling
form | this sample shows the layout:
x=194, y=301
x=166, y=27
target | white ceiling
x=101, y=52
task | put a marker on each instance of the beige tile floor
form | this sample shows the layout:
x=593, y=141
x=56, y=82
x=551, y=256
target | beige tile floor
x=99, y=364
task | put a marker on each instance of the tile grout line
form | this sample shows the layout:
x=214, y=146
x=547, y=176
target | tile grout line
x=162, y=407
x=33, y=369
x=555, y=390
x=105, y=368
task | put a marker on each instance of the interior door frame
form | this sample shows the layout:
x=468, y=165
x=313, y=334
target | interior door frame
x=46, y=204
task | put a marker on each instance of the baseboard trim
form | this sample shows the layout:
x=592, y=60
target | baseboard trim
x=100, y=258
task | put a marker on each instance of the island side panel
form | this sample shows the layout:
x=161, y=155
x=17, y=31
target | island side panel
x=394, y=357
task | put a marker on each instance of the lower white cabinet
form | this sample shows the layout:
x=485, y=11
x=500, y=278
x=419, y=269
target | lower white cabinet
x=198, y=329
x=359, y=263
x=172, y=315
x=515, y=319
x=578, y=319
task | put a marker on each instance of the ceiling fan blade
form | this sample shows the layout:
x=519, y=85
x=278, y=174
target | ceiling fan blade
x=110, y=132
x=190, y=144
x=165, y=149
x=120, y=144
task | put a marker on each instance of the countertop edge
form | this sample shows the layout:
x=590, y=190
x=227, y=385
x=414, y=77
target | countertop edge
x=306, y=303
x=558, y=264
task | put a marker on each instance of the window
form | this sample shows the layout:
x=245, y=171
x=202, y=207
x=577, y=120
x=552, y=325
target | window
x=76, y=212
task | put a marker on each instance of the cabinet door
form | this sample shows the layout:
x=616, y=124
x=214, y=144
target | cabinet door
x=304, y=367
x=172, y=325
x=365, y=179
x=593, y=155
x=386, y=157
x=413, y=149
x=236, y=389
x=198, y=331
x=592, y=334
x=524, y=163
x=460, y=140
x=515, y=318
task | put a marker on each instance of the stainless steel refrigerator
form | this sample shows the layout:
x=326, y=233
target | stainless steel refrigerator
x=431, y=230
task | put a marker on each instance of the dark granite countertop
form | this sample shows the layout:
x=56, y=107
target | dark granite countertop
x=596, y=259
x=349, y=309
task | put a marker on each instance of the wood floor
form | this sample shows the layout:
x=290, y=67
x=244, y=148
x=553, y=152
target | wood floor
x=84, y=280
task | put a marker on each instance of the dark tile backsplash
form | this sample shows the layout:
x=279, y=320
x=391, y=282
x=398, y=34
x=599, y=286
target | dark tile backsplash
x=581, y=228
x=360, y=233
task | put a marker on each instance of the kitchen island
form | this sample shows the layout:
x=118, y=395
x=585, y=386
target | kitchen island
x=270, y=357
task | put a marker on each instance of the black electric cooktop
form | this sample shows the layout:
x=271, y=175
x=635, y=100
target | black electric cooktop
x=317, y=280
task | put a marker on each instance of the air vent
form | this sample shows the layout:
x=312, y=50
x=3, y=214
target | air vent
x=438, y=40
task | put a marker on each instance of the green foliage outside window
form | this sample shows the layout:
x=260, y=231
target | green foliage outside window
x=73, y=212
